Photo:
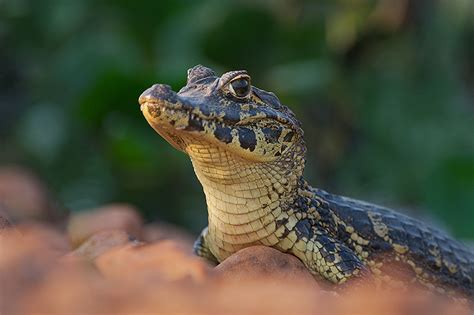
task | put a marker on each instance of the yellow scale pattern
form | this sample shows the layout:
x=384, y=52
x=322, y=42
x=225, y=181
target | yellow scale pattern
x=242, y=208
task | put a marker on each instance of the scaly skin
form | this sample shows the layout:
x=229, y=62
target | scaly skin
x=248, y=152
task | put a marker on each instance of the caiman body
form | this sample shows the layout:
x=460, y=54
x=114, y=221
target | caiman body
x=248, y=152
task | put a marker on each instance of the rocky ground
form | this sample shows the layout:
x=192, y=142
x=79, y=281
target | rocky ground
x=107, y=261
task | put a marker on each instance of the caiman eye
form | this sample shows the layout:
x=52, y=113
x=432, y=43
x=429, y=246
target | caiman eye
x=240, y=87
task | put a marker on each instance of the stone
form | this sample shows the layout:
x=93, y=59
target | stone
x=124, y=217
x=159, y=231
x=262, y=263
x=165, y=278
x=98, y=244
x=23, y=196
x=50, y=237
x=161, y=261
x=25, y=260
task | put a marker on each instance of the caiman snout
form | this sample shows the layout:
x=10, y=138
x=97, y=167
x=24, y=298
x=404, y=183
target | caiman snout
x=157, y=93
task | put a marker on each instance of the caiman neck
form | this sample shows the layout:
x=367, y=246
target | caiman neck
x=244, y=199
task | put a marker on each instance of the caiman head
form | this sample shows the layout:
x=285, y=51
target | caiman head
x=224, y=121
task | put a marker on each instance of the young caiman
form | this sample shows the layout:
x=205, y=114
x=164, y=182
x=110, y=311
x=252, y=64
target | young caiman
x=248, y=152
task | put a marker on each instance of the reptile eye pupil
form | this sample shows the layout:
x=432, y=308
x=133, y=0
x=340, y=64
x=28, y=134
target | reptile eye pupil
x=241, y=87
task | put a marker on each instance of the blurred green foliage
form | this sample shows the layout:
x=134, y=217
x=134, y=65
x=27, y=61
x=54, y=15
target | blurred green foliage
x=384, y=90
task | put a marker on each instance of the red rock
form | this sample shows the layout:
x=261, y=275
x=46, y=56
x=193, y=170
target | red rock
x=70, y=289
x=160, y=231
x=124, y=217
x=262, y=263
x=50, y=237
x=98, y=244
x=165, y=261
x=31, y=245
x=25, y=259
x=141, y=280
x=225, y=298
x=23, y=195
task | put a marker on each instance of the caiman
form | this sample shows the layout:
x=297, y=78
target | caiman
x=248, y=152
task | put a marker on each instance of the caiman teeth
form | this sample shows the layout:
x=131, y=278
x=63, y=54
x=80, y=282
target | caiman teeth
x=212, y=119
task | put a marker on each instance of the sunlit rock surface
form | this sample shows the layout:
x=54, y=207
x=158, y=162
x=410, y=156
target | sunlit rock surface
x=111, y=217
x=103, y=269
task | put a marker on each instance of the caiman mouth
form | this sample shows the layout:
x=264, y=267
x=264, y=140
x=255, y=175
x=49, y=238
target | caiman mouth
x=161, y=95
x=161, y=110
x=167, y=107
x=177, y=119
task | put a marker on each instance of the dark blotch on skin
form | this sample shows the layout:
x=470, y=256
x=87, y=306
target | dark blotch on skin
x=301, y=204
x=272, y=135
x=327, y=218
x=281, y=222
x=231, y=113
x=346, y=256
x=350, y=262
x=285, y=233
x=247, y=138
x=324, y=252
x=362, y=223
x=330, y=258
x=397, y=231
x=223, y=134
x=346, y=267
x=289, y=136
x=304, y=228
x=342, y=234
x=355, y=217
x=327, y=243
x=379, y=245
x=194, y=125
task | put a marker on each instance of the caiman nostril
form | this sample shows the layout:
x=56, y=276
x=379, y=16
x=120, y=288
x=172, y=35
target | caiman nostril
x=156, y=92
x=146, y=96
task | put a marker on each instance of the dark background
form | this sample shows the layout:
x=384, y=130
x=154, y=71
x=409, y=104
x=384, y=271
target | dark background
x=384, y=90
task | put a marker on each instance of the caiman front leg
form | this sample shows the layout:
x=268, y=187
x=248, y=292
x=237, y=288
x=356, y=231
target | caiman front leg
x=201, y=248
x=323, y=255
